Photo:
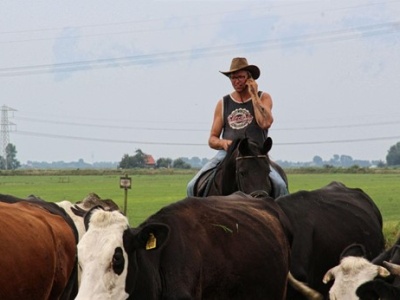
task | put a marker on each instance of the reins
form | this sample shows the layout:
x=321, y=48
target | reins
x=254, y=156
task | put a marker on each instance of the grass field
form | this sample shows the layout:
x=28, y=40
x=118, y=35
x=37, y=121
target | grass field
x=151, y=192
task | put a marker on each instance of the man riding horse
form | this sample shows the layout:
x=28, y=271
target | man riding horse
x=246, y=112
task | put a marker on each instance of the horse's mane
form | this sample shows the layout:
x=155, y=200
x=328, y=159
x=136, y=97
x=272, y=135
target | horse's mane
x=233, y=147
x=229, y=153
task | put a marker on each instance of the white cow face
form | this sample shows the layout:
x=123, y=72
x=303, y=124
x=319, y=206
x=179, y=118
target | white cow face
x=349, y=275
x=102, y=257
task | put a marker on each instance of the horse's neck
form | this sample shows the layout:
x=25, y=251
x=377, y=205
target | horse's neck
x=228, y=165
x=226, y=175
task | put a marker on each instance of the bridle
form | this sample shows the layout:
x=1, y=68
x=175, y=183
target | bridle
x=239, y=180
x=251, y=156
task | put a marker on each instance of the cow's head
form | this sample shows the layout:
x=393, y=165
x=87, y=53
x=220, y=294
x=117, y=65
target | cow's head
x=113, y=256
x=101, y=256
x=350, y=274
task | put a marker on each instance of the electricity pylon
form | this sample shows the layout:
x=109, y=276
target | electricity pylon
x=5, y=131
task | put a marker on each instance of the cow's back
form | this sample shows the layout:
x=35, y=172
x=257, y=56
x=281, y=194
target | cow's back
x=38, y=252
x=324, y=222
x=220, y=248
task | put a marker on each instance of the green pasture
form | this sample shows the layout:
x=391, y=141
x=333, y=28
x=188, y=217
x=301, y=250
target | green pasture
x=152, y=191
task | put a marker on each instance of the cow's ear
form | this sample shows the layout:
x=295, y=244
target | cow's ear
x=354, y=250
x=151, y=237
x=330, y=274
x=267, y=145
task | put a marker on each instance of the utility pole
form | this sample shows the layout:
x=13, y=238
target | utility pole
x=5, y=131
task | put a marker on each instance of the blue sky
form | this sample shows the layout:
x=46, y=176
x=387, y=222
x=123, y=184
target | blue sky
x=98, y=79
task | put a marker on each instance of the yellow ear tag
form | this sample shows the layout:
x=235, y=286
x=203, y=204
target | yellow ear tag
x=151, y=242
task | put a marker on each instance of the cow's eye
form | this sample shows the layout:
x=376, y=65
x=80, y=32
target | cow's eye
x=118, y=261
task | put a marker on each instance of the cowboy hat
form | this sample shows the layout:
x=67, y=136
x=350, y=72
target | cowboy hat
x=240, y=63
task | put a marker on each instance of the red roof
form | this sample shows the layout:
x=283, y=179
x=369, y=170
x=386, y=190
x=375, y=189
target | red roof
x=150, y=160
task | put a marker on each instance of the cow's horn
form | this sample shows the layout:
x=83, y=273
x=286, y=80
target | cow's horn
x=393, y=268
x=304, y=289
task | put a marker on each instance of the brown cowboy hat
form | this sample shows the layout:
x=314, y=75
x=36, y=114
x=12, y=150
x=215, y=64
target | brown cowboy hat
x=240, y=63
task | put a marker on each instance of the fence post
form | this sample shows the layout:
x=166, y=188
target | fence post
x=125, y=183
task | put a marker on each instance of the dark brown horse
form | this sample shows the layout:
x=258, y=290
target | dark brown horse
x=245, y=168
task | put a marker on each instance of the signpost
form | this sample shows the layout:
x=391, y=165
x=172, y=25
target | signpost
x=125, y=183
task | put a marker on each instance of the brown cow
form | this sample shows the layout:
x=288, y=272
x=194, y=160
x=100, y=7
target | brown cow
x=37, y=251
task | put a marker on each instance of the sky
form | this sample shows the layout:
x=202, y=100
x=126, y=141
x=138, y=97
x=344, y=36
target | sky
x=97, y=79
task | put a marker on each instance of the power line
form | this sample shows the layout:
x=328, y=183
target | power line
x=65, y=137
x=109, y=126
x=115, y=33
x=91, y=139
x=269, y=9
x=339, y=141
x=369, y=124
x=337, y=126
x=321, y=37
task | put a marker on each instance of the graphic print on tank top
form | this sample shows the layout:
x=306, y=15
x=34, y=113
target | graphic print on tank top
x=239, y=118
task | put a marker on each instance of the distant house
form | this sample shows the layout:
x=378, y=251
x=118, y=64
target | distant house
x=149, y=161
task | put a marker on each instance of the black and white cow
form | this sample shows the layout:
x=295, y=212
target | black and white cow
x=219, y=247
x=380, y=289
x=324, y=222
x=358, y=278
x=350, y=274
x=77, y=210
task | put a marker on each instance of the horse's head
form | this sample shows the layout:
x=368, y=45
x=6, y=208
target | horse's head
x=253, y=166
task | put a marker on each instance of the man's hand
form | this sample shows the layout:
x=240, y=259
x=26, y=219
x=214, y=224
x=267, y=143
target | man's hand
x=252, y=86
x=225, y=144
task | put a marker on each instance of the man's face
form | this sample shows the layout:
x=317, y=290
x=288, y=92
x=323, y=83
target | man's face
x=239, y=79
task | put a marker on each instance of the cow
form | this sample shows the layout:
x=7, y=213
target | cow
x=78, y=209
x=217, y=247
x=379, y=289
x=356, y=276
x=388, y=289
x=38, y=250
x=350, y=274
x=324, y=222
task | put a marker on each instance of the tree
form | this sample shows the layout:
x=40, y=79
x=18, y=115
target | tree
x=380, y=164
x=318, y=160
x=393, y=156
x=335, y=160
x=136, y=161
x=139, y=159
x=346, y=161
x=180, y=164
x=126, y=162
x=10, y=162
x=195, y=162
x=164, y=162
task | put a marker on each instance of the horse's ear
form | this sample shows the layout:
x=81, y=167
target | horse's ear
x=244, y=146
x=267, y=145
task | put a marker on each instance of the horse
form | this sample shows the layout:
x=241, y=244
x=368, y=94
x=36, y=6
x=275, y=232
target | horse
x=245, y=168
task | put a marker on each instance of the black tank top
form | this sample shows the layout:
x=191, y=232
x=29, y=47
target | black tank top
x=240, y=122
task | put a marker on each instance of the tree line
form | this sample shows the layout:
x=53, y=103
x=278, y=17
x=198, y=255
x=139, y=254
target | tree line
x=139, y=160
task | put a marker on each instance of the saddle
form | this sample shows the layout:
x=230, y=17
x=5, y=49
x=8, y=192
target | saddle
x=203, y=183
